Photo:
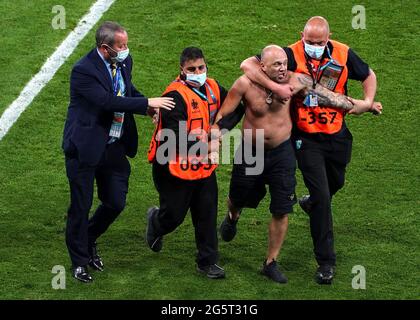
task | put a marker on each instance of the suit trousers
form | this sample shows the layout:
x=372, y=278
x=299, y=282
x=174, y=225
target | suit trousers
x=111, y=175
x=322, y=161
x=176, y=197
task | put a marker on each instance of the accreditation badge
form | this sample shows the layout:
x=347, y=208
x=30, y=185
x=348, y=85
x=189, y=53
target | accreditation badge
x=311, y=100
x=330, y=75
x=117, y=125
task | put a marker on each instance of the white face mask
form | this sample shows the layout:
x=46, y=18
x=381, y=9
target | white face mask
x=196, y=80
x=314, y=52
x=121, y=55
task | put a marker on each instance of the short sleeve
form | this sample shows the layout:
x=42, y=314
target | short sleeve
x=358, y=69
x=291, y=62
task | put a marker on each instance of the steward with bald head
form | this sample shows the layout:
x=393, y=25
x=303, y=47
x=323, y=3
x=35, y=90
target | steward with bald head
x=270, y=113
x=321, y=138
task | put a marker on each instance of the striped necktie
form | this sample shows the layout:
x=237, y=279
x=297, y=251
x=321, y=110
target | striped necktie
x=117, y=123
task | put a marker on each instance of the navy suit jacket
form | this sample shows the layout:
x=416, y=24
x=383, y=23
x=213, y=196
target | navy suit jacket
x=92, y=106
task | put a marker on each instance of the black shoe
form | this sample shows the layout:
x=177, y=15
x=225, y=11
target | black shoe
x=306, y=204
x=324, y=274
x=95, y=260
x=81, y=274
x=271, y=271
x=154, y=242
x=212, y=271
x=228, y=228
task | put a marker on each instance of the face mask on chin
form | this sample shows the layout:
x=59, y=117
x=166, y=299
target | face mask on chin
x=314, y=52
x=121, y=55
x=195, y=80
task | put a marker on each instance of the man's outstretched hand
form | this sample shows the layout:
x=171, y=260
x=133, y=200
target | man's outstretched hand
x=162, y=103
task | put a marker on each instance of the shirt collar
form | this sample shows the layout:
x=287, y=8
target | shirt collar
x=107, y=64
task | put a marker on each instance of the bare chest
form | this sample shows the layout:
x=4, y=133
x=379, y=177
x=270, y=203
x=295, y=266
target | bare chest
x=262, y=103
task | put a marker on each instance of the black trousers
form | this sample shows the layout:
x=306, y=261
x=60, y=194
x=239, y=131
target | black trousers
x=322, y=160
x=111, y=175
x=176, y=196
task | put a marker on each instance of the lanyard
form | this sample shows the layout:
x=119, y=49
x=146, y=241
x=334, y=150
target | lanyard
x=315, y=77
x=204, y=97
x=116, y=81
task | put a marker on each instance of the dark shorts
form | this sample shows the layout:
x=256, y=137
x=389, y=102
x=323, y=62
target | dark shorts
x=279, y=174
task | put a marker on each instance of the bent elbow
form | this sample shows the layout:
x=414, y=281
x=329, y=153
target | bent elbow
x=244, y=66
x=372, y=75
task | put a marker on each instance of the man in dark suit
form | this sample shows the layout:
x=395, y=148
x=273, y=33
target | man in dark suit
x=99, y=133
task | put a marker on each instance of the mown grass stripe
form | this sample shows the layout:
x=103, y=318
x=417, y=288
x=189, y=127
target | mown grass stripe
x=53, y=63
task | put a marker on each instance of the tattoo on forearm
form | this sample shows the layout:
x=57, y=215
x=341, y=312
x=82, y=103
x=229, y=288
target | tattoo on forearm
x=329, y=98
x=305, y=80
x=325, y=96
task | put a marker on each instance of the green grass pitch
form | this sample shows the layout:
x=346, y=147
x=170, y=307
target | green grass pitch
x=376, y=215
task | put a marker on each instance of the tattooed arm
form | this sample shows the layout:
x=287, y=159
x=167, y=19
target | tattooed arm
x=325, y=97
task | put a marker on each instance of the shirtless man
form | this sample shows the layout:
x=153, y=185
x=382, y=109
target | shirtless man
x=264, y=110
x=322, y=138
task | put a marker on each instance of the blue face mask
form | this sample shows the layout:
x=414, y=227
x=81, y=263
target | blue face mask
x=196, y=80
x=121, y=55
x=314, y=52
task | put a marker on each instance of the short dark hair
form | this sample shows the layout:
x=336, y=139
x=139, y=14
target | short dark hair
x=191, y=53
x=106, y=33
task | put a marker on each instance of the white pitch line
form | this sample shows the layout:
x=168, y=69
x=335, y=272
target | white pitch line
x=53, y=63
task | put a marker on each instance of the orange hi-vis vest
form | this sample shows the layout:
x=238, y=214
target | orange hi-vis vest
x=332, y=73
x=200, y=113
